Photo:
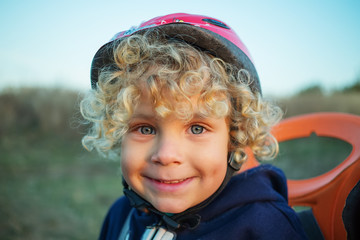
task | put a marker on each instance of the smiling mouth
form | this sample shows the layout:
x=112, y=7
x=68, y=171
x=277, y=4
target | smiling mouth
x=171, y=181
x=168, y=186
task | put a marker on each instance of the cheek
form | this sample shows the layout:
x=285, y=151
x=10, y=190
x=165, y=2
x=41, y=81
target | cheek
x=212, y=171
x=133, y=159
x=216, y=157
x=128, y=161
x=124, y=164
x=218, y=168
x=212, y=163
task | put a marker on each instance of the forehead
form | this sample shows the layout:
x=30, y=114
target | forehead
x=167, y=101
x=181, y=93
x=185, y=108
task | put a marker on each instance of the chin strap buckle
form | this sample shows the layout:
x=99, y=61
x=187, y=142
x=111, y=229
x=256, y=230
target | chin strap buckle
x=236, y=160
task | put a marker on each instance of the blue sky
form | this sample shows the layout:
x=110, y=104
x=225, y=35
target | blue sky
x=293, y=43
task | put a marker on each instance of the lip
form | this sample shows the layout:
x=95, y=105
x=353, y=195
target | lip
x=172, y=185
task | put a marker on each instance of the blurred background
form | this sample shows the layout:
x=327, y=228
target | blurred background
x=307, y=55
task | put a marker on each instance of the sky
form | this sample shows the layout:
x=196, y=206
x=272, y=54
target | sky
x=294, y=44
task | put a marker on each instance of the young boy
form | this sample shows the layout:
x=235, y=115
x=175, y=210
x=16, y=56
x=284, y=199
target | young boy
x=179, y=99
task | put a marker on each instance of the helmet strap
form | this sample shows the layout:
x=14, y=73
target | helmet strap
x=189, y=218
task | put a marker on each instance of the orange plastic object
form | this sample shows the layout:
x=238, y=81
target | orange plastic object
x=325, y=194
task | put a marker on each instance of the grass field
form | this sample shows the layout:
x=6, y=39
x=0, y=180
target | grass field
x=310, y=157
x=51, y=188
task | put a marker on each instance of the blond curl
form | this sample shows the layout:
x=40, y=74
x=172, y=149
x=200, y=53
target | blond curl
x=172, y=72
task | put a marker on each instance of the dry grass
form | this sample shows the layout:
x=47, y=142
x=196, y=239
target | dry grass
x=310, y=103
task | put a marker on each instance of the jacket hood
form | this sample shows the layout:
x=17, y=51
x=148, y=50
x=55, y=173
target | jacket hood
x=261, y=184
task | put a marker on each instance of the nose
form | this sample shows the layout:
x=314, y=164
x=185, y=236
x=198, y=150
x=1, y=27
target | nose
x=167, y=151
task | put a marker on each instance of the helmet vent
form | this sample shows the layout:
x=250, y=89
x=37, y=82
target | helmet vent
x=215, y=22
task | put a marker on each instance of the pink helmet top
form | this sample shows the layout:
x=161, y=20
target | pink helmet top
x=205, y=32
x=210, y=24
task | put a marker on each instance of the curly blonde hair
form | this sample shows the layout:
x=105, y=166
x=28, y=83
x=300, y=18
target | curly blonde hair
x=173, y=71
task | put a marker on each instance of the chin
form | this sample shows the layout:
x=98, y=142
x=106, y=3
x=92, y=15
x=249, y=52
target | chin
x=171, y=208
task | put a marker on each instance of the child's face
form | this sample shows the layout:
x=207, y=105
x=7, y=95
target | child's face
x=172, y=164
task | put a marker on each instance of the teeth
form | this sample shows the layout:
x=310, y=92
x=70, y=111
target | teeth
x=171, y=181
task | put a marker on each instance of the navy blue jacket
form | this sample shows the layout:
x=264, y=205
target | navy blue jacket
x=253, y=205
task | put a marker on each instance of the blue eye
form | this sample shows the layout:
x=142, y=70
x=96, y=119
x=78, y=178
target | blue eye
x=147, y=130
x=197, y=129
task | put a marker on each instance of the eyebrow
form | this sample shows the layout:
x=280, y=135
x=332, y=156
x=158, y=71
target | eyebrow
x=198, y=115
x=142, y=115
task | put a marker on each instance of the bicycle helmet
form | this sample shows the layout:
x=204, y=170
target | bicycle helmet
x=204, y=32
